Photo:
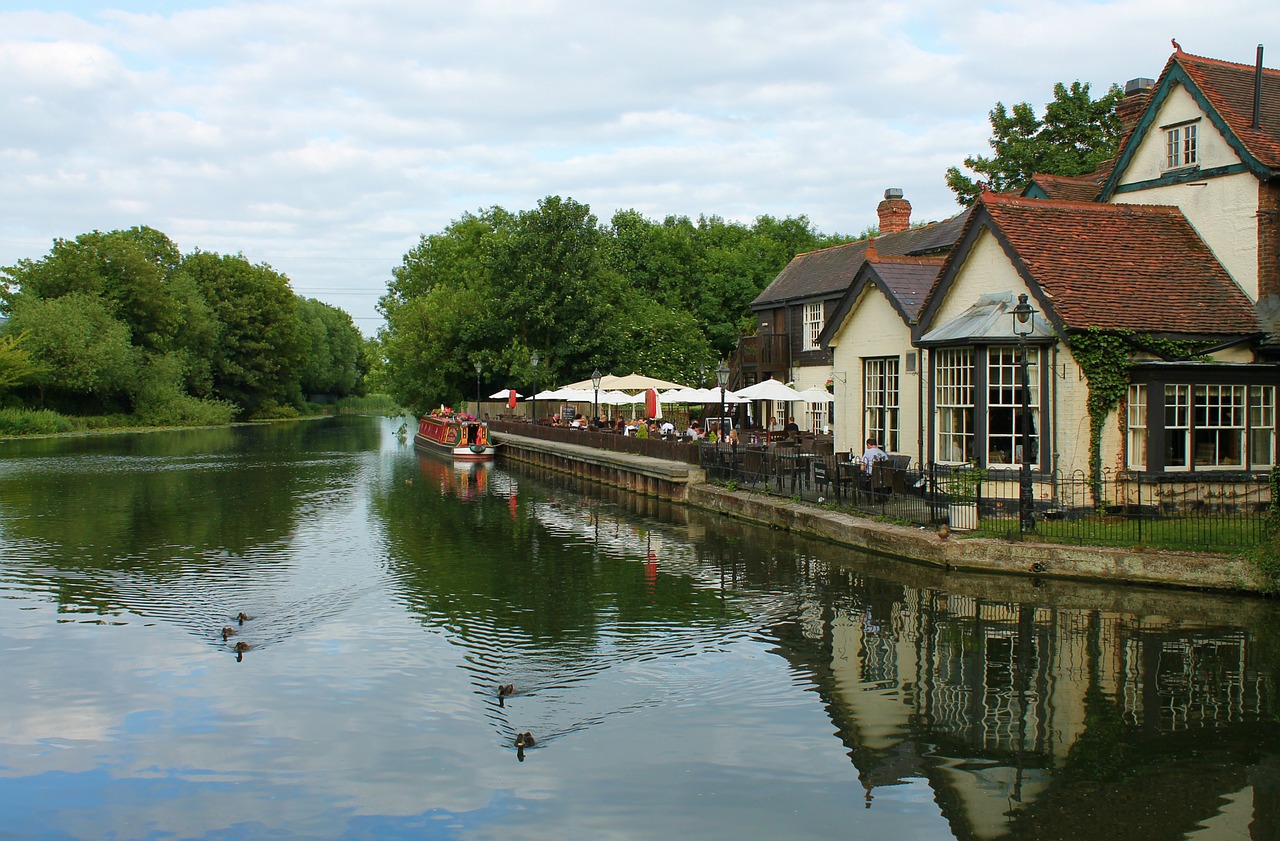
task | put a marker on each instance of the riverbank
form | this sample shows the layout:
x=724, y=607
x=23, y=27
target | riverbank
x=680, y=483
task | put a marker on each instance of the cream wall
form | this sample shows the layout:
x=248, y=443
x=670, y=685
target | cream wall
x=873, y=328
x=1223, y=209
x=986, y=271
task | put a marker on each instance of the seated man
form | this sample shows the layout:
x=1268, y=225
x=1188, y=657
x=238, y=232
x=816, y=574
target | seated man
x=791, y=426
x=871, y=455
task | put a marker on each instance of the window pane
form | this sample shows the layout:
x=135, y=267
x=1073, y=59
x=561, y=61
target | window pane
x=1137, y=418
x=953, y=397
x=1177, y=416
x=1004, y=405
x=1262, y=425
x=1218, y=416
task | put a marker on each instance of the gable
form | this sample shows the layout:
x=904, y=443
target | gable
x=986, y=269
x=1146, y=163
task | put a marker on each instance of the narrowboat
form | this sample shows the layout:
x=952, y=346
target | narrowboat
x=459, y=435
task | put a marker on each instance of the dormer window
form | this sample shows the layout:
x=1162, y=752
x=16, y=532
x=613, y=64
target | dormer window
x=1180, y=146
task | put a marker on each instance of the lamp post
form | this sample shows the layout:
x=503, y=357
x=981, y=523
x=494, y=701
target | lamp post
x=479, y=368
x=1023, y=325
x=595, y=383
x=722, y=380
x=533, y=360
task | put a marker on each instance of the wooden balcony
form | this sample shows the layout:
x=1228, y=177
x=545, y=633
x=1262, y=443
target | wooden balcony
x=759, y=357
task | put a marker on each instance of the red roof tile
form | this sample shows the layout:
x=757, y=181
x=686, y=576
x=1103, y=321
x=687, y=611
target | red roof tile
x=1135, y=267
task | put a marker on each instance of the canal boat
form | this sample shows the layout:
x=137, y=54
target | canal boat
x=458, y=434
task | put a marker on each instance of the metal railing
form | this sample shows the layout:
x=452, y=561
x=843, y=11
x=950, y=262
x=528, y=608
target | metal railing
x=1187, y=513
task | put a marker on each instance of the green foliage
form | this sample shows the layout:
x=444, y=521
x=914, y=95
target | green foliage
x=16, y=365
x=78, y=347
x=32, y=422
x=1076, y=135
x=668, y=299
x=160, y=399
x=961, y=483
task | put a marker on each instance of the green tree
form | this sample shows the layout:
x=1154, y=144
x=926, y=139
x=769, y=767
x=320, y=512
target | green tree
x=16, y=365
x=332, y=349
x=1076, y=135
x=80, y=349
x=258, y=352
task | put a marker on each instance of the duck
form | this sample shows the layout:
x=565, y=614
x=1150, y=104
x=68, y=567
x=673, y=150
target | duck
x=525, y=740
x=228, y=632
x=506, y=690
x=944, y=531
x=242, y=617
x=241, y=647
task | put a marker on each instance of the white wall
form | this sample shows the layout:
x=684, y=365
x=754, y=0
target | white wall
x=1223, y=210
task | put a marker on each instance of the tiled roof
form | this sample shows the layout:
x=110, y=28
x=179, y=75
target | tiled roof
x=1134, y=267
x=908, y=279
x=1071, y=188
x=1229, y=88
x=830, y=271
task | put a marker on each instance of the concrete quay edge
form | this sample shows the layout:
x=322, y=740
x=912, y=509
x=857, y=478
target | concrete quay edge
x=658, y=468
x=1190, y=570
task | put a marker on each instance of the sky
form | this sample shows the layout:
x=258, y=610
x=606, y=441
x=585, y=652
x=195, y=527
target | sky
x=326, y=137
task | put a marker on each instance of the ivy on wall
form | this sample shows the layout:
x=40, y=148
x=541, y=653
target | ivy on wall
x=1106, y=358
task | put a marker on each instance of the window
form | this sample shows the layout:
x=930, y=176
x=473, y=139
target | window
x=1004, y=406
x=1180, y=146
x=953, y=400
x=1137, y=449
x=880, y=396
x=812, y=325
x=817, y=416
x=1262, y=425
x=1218, y=417
x=1177, y=426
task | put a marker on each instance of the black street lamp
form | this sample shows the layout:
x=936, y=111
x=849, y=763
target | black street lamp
x=479, y=368
x=595, y=382
x=1023, y=325
x=533, y=360
x=722, y=380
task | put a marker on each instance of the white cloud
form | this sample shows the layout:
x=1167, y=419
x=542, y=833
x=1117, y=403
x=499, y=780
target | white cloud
x=325, y=137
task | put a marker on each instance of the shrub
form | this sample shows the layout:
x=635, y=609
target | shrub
x=33, y=422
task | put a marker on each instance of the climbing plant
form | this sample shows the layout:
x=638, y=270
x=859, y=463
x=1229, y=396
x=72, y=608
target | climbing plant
x=1105, y=358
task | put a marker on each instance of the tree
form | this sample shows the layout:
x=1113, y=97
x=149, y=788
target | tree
x=258, y=352
x=1077, y=134
x=332, y=349
x=79, y=347
x=16, y=365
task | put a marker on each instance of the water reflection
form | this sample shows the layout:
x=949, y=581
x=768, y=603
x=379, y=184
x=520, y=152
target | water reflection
x=409, y=625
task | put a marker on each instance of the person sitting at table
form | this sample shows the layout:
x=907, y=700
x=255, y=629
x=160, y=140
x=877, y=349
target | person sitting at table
x=667, y=428
x=871, y=455
x=792, y=426
x=733, y=436
x=774, y=426
x=694, y=432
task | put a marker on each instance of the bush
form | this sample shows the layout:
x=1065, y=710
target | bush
x=271, y=410
x=373, y=404
x=33, y=422
x=185, y=410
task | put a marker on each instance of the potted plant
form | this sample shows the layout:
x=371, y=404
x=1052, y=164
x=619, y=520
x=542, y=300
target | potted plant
x=961, y=485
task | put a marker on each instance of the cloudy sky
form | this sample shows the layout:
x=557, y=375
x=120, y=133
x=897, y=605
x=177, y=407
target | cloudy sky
x=325, y=137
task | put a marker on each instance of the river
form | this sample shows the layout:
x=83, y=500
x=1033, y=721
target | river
x=682, y=675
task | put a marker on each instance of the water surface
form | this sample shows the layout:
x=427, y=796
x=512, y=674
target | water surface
x=684, y=676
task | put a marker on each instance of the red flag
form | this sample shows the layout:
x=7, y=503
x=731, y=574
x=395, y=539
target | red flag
x=651, y=403
x=511, y=398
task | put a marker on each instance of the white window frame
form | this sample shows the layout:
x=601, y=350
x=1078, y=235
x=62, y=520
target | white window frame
x=1136, y=455
x=813, y=322
x=953, y=404
x=1262, y=425
x=1004, y=405
x=881, y=381
x=1177, y=425
x=1181, y=146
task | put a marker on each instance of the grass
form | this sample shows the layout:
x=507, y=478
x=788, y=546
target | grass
x=1199, y=534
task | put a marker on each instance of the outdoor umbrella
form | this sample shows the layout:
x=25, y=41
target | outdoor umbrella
x=505, y=394
x=769, y=389
x=816, y=395
x=631, y=382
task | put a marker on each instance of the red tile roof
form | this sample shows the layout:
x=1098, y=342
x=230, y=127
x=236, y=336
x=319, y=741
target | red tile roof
x=1229, y=88
x=1134, y=267
x=1074, y=187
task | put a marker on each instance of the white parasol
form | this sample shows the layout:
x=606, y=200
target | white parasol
x=504, y=394
x=816, y=395
x=770, y=389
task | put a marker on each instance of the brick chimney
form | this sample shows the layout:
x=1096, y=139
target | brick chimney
x=894, y=211
x=1129, y=109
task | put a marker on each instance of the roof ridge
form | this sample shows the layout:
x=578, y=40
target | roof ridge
x=1252, y=68
x=1002, y=200
x=907, y=260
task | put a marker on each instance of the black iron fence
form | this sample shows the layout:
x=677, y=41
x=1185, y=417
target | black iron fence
x=1187, y=513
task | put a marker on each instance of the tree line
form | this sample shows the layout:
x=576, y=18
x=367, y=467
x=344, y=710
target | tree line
x=494, y=288
x=123, y=323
